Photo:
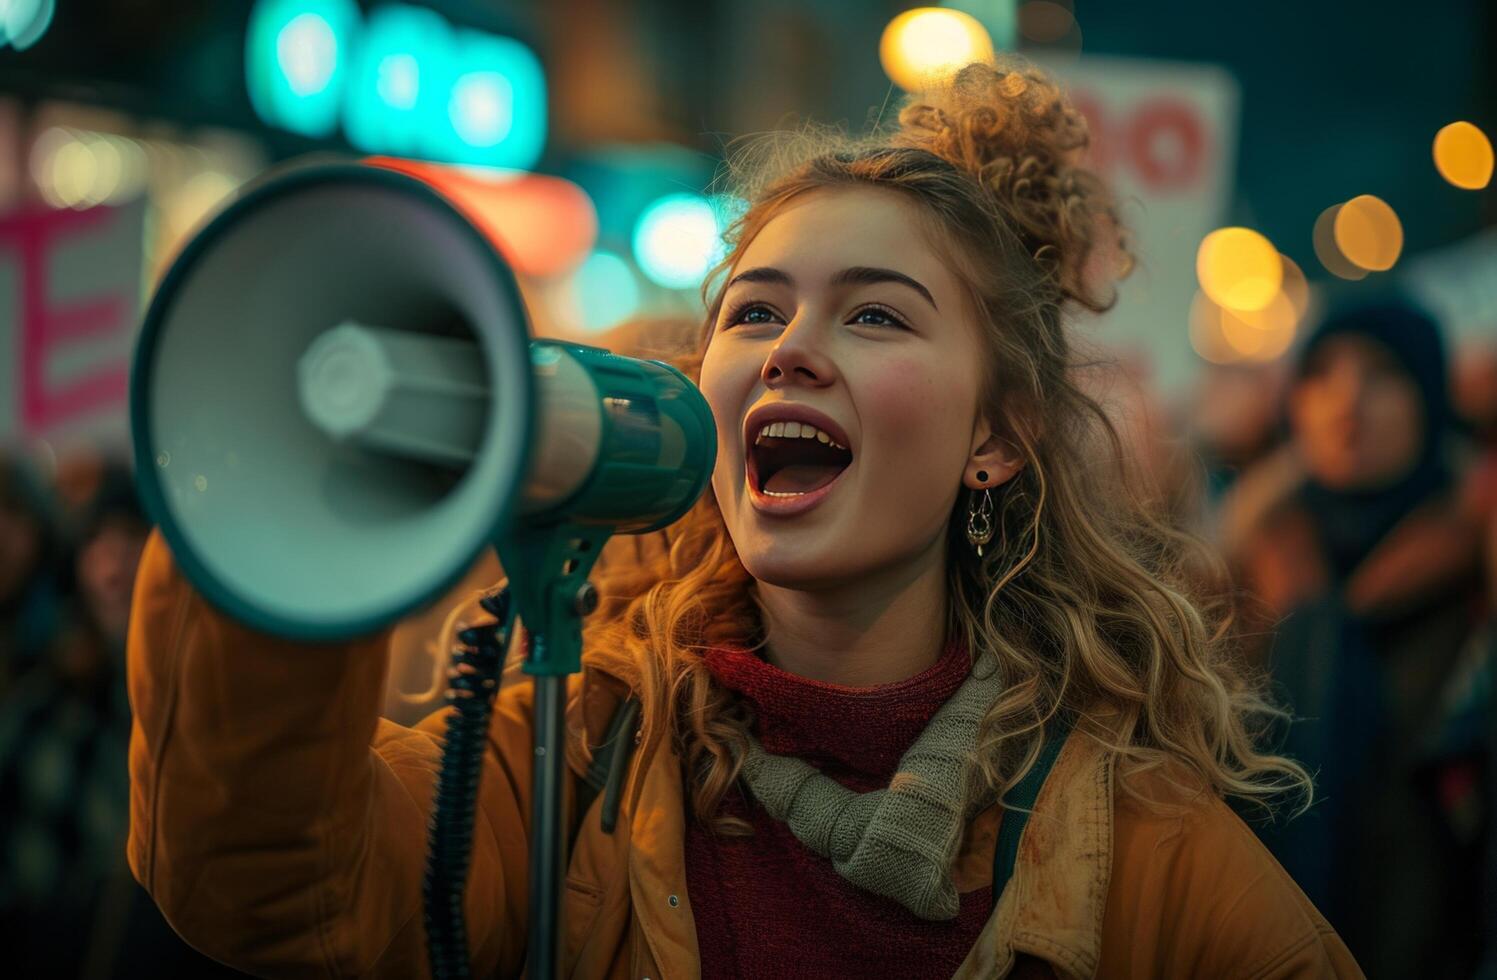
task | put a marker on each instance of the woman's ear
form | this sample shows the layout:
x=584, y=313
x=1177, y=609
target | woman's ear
x=994, y=460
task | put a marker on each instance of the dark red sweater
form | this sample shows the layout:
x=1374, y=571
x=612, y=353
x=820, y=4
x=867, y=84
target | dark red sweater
x=766, y=906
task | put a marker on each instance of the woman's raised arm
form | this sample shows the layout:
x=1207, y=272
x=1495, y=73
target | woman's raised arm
x=278, y=821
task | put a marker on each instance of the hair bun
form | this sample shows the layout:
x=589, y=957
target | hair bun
x=1014, y=131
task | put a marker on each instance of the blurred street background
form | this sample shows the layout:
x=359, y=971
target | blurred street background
x=1304, y=361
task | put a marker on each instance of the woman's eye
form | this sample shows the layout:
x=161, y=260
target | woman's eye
x=752, y=314
x=873, y=316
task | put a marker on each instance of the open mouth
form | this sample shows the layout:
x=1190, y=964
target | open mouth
x=788, y=459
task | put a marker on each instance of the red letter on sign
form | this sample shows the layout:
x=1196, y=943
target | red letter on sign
x=1167, y=144
x=45, y=327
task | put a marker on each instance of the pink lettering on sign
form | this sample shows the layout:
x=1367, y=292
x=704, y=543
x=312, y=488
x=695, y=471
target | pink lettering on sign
x=1168, y=144
x=45, y=327
x=1161, y=142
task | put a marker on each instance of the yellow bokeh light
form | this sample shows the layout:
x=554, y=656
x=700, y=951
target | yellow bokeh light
x=74, y=170
x=1239, y=268
x=1206, y=332
x=1463, y=155
x=1326, y=249
x=1224, y=336
x=925, y=46
x=1296, y=287
x=1368, y=233
x=1261, y=335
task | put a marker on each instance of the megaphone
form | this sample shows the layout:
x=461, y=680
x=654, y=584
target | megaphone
x=336, y=403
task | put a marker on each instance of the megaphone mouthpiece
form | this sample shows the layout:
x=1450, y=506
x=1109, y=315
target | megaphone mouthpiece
x=420, y=396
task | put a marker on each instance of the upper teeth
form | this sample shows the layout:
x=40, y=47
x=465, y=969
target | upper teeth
x=797, y=430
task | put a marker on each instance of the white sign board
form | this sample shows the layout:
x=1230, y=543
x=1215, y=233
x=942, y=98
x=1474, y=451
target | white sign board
x=70, y=285
x=1164, y=134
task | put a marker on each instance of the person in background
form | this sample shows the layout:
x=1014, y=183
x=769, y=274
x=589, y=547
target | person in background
x=68, y=906
x=30, y=558
x=1355, y=542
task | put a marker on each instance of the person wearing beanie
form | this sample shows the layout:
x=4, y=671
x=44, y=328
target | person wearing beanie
x=1372, y=572
x=920, y=688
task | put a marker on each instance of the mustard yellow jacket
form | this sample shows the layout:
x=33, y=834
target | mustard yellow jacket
x=280, y=823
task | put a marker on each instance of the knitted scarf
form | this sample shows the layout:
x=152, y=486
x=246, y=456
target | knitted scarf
x=898, y=841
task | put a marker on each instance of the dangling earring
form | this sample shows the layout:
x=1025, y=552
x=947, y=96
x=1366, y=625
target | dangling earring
x=980, y=519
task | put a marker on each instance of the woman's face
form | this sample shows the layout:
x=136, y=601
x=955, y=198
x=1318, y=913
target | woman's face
x=840, y=314
x=106, y=566
x=1357, y=417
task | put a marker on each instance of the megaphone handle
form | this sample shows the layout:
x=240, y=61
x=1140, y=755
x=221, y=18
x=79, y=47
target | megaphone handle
x=548, y=843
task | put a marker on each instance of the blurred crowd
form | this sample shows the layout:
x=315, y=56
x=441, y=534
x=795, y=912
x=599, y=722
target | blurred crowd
x=1351, y=491
x=69, y=548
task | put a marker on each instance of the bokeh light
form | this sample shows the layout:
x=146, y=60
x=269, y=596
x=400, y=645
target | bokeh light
x=1224, y=336
x=23, y=22
x=1206, y=332
x=73, y=173
x=1368, y=233
x=399, y=80
x=295, y=59
x=607, y=291
x=1260, y=335
x=396, y=99
x=497, y=107
x=1239, y=268
x=677, y=240
x=481, y=108
x=79, y=169
x=307, y=52
x=1463, y=155
x=924, y=46
x=1328, y=252
x=1296, y=288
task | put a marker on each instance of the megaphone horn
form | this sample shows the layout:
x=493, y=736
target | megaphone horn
x=336, y=403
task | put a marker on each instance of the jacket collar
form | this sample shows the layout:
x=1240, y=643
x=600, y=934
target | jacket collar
x=1053, y=905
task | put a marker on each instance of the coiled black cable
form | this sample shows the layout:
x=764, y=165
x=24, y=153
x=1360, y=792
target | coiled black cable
x=474, y=679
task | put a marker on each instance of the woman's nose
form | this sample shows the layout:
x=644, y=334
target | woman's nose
x=795, y=359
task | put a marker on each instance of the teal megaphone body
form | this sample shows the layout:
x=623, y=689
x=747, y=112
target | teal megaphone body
x=336, y=403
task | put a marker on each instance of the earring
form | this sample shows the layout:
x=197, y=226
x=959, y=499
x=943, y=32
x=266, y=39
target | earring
x=980, y=519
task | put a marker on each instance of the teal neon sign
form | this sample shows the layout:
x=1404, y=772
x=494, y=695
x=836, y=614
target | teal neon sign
x=404, y=83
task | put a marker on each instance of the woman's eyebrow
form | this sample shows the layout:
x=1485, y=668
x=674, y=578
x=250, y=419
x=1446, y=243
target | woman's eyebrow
x=869, y=274
x=854, y=274
x=762, y=274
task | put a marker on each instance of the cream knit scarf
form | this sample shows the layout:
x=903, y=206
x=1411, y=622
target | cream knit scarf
x=900, y=841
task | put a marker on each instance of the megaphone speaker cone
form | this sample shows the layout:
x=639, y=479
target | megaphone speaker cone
x=281, y=519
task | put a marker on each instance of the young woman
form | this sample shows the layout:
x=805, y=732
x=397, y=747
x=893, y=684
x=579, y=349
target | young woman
x=911, y=576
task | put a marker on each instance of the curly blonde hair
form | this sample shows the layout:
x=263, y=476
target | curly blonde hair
x=1092, y=608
